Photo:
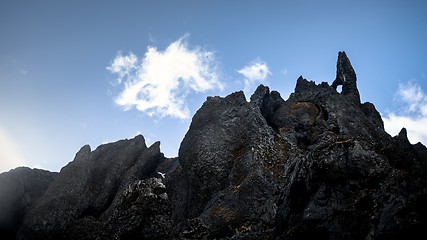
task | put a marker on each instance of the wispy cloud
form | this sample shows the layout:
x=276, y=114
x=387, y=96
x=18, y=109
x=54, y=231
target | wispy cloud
x=254, y=73
x=124, y=66
x=412, y=115
x=159, y=82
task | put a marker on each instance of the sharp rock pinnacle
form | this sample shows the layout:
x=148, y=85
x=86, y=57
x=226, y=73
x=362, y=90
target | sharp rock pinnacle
x=346, y=77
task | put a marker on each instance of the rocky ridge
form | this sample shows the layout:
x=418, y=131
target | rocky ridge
x=318, y=165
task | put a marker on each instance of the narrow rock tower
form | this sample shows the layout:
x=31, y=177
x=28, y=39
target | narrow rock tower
x=346, y=77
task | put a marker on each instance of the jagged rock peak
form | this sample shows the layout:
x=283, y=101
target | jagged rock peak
x=318, y=165
x=346, y=77
x=403, y=135
x=83, y=153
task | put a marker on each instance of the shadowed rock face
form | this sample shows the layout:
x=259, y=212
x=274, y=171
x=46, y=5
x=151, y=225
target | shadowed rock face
x=90, y=189
x=318, y=165
x=19, y=190
x=228, y=162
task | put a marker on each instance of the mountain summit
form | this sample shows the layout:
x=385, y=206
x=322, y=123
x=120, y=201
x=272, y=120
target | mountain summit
x=318, y=165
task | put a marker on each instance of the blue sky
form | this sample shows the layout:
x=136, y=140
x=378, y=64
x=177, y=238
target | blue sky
x=91, y=72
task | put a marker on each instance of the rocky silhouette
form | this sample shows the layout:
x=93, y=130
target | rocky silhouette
x=316, y=166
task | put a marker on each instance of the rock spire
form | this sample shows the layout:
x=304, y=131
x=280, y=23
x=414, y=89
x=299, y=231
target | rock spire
x=346, y=77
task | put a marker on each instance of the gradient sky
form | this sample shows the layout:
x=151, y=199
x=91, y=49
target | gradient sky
x=90, y=72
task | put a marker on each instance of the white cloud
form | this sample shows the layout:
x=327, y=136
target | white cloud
x=124, y=66
x=159, y=83
x=416, y=127
x=413, y=115
x=413, y=96
x=254, y=73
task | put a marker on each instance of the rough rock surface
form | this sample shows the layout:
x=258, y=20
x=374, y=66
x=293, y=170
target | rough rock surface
x=89, y=189
x=318, y=165
x=229, y=160
x=19, y=190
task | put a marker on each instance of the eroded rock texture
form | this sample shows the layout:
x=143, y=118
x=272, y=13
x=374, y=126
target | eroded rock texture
x=230, y=163
x=316, y=166
x=91, y=191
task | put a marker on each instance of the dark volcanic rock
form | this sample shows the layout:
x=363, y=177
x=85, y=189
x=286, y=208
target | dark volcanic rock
x=90, y=187
x=142, y=211
x=346, y=77
x=19, y=190
x=352, y=180
x=316, y=166
x=230, y=161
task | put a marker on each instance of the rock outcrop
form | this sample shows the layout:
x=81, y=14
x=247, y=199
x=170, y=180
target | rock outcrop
x=230, y=163
x=89, y=191
x=346, y=77
x=20, y=189
x=318, y=165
